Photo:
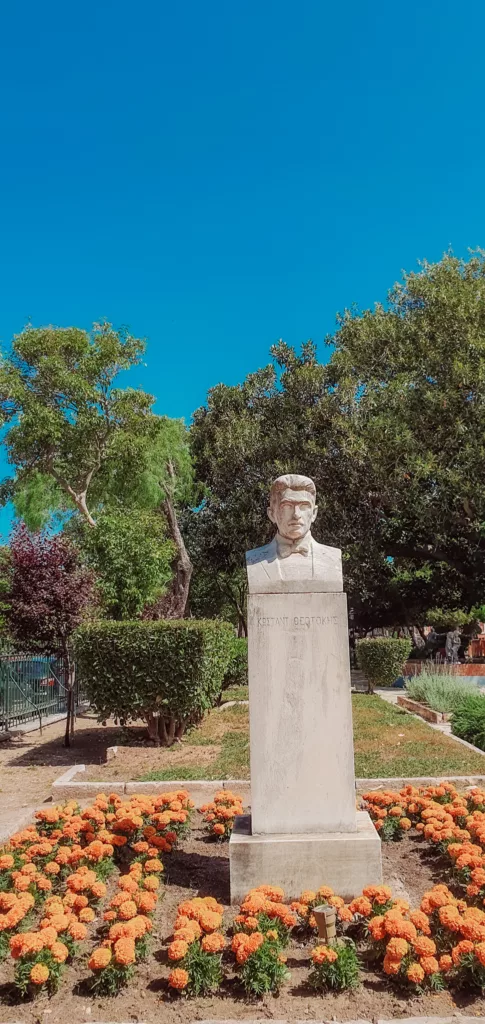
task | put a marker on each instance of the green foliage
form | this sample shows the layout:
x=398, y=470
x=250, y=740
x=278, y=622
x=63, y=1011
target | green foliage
x=395, y=419
x=204, y=970
x=169, y=669
x=65, y=416
x=111, y=979
x=131, y=556
x=441, y=691
x=445, y=619
x=382, y=658
x=341, y=974
x=390, y=829
x=468, y=720
x=237, y=670
x=24, y=966
x=264, y=971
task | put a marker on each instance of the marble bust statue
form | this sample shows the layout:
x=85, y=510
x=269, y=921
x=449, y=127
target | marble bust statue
x=293, y=562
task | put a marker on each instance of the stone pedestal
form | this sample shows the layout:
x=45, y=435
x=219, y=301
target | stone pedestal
x=302, y=758
x=347, y=861
x=304, y=830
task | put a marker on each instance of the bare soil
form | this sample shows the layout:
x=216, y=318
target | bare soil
x=200, y=866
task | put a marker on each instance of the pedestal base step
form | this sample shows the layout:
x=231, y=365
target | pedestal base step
x=347, y=861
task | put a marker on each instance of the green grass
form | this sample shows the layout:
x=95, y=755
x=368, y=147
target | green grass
x=235, y=693
x=387, y=742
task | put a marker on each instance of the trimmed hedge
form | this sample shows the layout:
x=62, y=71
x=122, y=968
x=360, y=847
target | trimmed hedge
x=168, y=672
x=382, y=659
x=237, y=670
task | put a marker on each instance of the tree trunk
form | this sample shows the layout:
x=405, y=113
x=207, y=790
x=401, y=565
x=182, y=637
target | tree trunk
x=173, y=604
x=69, y=696
x=152, y=726
x=183, y=569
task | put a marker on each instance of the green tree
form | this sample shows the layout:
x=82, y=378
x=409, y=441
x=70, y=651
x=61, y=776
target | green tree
x=79, y=442
x=392, y=431
x=64, y=414
x=131, y=556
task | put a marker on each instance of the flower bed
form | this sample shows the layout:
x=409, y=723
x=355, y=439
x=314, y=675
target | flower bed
x=391, y=957
x=57, y=867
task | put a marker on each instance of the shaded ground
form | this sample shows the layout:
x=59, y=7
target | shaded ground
x=202, y=867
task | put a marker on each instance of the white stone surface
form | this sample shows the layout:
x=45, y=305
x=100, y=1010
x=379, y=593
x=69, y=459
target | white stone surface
x=302, y=762
x=347, y=861
x=319, y=569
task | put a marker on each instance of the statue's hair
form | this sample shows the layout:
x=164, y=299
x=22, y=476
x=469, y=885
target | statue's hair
x=293, y=481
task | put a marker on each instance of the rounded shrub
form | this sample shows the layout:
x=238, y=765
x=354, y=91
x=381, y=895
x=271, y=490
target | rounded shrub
x=382, y=658
x=168, y=672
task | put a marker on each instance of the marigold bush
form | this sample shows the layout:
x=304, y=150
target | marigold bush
x=220, y=814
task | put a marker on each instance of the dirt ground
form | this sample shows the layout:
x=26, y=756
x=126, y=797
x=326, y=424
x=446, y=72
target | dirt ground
x=200, y=866
x=29, y=764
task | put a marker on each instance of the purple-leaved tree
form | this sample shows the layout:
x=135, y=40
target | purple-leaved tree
x=49, y=591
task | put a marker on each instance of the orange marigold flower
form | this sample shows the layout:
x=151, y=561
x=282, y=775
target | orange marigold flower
x=59, y=951
x=99, y=958
x=424, y=946
x=480, y=952
x=308, y=896
x=51, y=868
x=324, y=954
x=445, y=962
x=177, y=949
x=429, y=964
x=178, y=979
x=415, y=973
x=391, y=966
x=39, y=974
x=215, y=943
x=465, y=946
x=361, y=905
x=87, y=915
x=154, y=864
x=397, y=948
x=124, y=950
x=98, y=890
x=420, y=921
x=127, y=910
x=210, y=921
x=151, y=883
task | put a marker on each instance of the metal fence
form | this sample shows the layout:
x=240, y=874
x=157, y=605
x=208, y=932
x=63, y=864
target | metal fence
x=33, y=687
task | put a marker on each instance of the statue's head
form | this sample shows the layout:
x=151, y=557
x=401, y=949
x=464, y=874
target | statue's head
x=292, y=505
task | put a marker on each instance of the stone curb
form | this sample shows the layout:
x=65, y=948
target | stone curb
x=67, y=787
x=452, y=1019
x=202, y=791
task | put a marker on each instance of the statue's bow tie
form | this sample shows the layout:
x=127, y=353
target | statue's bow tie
x=288, y=547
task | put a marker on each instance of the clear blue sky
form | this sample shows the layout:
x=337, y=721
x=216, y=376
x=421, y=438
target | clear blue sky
x=219, y=175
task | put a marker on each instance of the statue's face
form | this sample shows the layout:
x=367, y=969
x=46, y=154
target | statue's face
x=293, y=512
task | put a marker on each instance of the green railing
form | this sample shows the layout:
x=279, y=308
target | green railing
x=32, y=687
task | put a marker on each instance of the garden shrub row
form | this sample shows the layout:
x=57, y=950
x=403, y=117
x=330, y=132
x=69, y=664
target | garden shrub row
x=168, y=672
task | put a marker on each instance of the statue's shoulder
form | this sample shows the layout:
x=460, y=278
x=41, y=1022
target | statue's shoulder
x=266, y=553
x=335, y=554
